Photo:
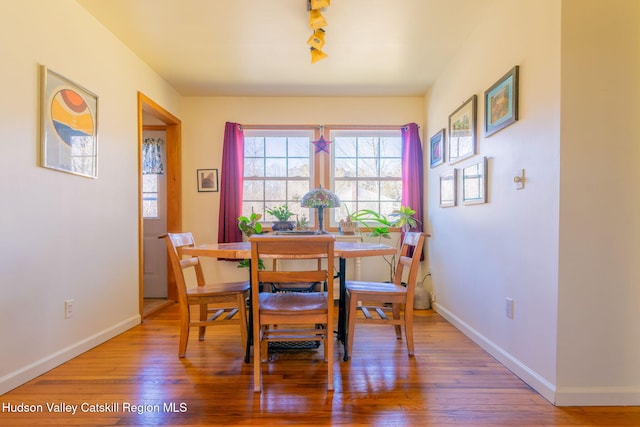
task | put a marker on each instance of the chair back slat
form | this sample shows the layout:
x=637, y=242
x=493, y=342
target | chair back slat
x=292, y=247
x=175, y=243
x=413, y=241
x=292, y=276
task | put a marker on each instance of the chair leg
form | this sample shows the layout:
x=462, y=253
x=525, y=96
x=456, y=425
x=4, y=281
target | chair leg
x=257, y=362
x=184, y=331
x=242, y=312
x=328, y=344
x=264, y=344
x=396, y=316
x=408, y=327
x=203, y=316
x=352, y=301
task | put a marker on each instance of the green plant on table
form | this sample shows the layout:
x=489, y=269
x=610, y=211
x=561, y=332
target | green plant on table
x=250, y=225
x=302, y=223
x=282, y=212
x=379, y=225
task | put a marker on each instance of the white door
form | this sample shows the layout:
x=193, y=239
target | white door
x=155, y=225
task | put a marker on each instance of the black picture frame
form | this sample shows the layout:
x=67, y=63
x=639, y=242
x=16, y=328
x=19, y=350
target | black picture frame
x=501, y=102
x=207, y=180
x=436, y=153
x=462, y=131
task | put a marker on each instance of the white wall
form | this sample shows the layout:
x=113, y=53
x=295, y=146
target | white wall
x=599, y=279
x=482, y=254
x=65, y=236
x=202, y=147
x=564, y=248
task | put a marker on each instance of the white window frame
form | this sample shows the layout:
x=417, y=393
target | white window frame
x=283, y=131
x=359, y=132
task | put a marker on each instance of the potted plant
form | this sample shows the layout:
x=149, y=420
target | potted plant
x=302, y=223
x=378, y=226
x=250, y=225
x=282, y=214
x=348, y=226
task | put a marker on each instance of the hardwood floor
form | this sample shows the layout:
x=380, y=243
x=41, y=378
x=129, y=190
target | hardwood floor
x=138, y=379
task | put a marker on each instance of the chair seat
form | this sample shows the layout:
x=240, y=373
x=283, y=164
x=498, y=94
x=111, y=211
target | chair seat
x=295, y=303
x=219, y=289
x=377, y=287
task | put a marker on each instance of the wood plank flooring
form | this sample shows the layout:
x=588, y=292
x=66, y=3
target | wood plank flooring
x=138, y=379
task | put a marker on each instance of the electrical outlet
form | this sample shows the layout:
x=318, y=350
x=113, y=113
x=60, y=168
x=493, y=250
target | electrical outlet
x=508, y=308
x=68, y=309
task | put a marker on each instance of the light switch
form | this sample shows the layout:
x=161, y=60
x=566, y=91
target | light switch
x=518, y=180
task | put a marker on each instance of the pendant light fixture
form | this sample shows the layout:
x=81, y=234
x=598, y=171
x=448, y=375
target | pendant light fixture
x=317, y=22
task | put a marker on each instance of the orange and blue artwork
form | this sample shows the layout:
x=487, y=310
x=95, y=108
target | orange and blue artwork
x=70, y=126
x=71, y=116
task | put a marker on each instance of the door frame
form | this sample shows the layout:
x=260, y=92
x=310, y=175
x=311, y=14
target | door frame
x=174, y=186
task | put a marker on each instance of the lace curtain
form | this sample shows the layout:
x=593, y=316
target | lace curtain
x=152, y=163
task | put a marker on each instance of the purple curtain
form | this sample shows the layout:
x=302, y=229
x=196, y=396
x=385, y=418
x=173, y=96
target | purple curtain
x=231, y=184
x=412, y=174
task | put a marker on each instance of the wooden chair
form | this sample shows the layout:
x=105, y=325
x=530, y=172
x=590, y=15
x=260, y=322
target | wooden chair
x=229, y=298
x=292, y=316
x=387, y=298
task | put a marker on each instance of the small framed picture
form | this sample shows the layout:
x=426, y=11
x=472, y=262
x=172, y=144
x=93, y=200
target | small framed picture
x=501, y=103
x=474, y=183
x=207, y=180
x=69, y=116
x=462, y=131
x=437, y=149
x=448, y=185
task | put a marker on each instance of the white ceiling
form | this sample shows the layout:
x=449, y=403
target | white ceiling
x=258, y=48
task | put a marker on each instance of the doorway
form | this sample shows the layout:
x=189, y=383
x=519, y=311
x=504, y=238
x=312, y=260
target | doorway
x=155, y=122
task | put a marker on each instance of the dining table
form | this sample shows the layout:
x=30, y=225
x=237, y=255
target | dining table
x=343, y=250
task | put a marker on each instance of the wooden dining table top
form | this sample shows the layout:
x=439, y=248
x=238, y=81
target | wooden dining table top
x=242, y=250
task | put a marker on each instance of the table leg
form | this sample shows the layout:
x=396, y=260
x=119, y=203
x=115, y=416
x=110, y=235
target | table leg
x=247, y=354
x=342, y=316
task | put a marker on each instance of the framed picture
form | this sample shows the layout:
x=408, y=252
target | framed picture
x=462, y=131
x=501, y=103
x=207, y=180
x=448, y=185
x=437, y=149
x=474, y=183
x=69, y=126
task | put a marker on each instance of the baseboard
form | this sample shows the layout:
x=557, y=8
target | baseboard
x=597, y=396
x=535, y=381
x=39, y=367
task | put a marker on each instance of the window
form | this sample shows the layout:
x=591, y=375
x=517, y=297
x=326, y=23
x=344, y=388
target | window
x=278, y=169
x=363, y=167
x=150, y=196
x=366, y=170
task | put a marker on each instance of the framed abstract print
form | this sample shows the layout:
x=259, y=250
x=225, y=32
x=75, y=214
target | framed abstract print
x=69, y=126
